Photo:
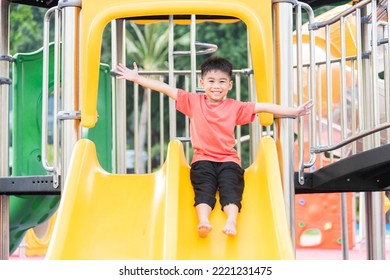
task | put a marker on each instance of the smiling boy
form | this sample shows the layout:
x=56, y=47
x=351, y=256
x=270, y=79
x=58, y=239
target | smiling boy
x=216, y=165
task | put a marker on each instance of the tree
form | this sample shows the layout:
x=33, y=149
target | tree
x=26, y=25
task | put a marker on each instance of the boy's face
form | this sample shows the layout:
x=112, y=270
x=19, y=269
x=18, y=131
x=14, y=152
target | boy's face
x=216, y=85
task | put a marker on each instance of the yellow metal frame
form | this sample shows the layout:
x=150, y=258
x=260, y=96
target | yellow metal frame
x=96, y=14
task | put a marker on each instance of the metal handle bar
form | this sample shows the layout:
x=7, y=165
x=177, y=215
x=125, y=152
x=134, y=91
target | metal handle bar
x=45, y=93
x=206, y=49
x=363, y=133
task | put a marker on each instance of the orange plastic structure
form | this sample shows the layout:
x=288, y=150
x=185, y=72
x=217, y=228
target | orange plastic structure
x=318, y=221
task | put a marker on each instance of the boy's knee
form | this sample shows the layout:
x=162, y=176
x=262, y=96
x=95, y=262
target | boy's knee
x=237, y=203
x=210, y=202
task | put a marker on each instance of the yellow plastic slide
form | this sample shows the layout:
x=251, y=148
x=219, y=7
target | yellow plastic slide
x=151, y=216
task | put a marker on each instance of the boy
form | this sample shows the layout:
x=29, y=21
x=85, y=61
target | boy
x=215, y=165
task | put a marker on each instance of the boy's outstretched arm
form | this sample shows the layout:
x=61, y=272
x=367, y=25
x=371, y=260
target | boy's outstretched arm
x=132, y=75
x=284, y=111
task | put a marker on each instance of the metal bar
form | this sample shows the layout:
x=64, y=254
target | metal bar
x=187, y=122
x=193, y=52
x=29, y=185
x=299, y=81
x=136, y=129
x=312, y=90
x=45, y=89
x=353, y=105
x=362, y=134
x=149, y=127
x=363, y=45
x=345, y=13
x=386, y=57
x=70, y=82
x=359, y=51
x=69, y=115
x=364, y=55
x=119, y=98
x=374, y=201
x=162, y=156
x=374, y=73
x=207, y=49
x=56, y=95
x=4, y=128
x=238, y=97
x=242, y=72
x=378, y=217
x=171, y=67
x=283, y=23
x=343, y=88
x=329, y=91
x=255, y=128
x=319, y=113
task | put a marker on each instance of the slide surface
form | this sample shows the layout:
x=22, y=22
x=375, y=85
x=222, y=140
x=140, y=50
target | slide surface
x=151, y=216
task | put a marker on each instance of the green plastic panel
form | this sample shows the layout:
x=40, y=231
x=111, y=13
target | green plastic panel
x=30, y=210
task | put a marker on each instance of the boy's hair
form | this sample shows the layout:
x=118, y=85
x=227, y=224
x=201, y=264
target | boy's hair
x=216, y=63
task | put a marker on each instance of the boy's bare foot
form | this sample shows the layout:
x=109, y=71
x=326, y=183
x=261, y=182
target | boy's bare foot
x=230, y=228
x=204, y=229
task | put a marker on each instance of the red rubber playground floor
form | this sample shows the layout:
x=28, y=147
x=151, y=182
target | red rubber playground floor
x=358, y=252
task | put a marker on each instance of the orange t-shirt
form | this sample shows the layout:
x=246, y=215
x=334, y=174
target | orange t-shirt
x=212, y=125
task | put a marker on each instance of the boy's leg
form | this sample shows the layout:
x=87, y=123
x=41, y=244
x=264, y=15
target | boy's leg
x=203, y=211
x=231, y=181
x=231, y=211
x=204, y=182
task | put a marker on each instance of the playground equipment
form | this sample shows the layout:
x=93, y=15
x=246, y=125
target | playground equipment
x=156, y=219
x=161, y=218
x=360, y=167
x=319, y=214
x=30, y=210
x=334, y=99
x=169, y=229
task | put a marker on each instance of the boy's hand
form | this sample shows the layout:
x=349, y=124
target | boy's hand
x=304, y=109
x=126, y=73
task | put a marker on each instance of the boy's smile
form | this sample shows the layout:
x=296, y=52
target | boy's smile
x=216, y=84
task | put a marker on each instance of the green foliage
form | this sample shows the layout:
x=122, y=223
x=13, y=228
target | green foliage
x=231, y=40
x=26, y=28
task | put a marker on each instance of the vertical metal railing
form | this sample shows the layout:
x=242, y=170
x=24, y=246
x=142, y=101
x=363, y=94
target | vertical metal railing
x=119, y=99
x=311, y=82
x=4, y=127
x=69, y=116
x=171, y=67
x=352, y=98
x=284, y=129
x=45, y=93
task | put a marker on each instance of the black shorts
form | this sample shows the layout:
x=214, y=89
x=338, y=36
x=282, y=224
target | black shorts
x=208, y=177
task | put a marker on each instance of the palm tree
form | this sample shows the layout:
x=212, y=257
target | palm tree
x=148, y=46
